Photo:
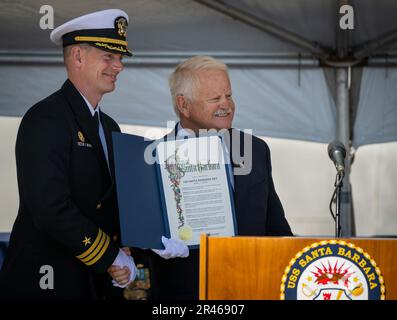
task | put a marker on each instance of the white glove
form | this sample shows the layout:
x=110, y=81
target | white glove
x=123, y=260
x=173, y=248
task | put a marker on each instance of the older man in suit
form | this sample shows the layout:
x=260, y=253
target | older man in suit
x=202, y=98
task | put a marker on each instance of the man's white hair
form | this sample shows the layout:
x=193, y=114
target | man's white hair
x=184, y=80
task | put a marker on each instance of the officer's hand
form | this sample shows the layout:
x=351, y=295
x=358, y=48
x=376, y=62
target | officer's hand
x=126, y=250
x=121, y=275
x=123, y=270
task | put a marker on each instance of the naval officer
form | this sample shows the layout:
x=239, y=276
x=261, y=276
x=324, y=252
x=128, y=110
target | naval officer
x=65, y=240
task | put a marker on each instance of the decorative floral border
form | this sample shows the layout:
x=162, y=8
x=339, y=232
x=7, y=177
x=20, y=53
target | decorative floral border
x=175, y=173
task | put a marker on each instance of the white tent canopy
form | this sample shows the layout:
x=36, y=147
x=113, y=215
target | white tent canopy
x=305, y=111
x=278, y=83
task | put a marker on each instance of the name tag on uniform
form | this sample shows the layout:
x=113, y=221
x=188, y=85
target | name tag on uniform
x=84, y=144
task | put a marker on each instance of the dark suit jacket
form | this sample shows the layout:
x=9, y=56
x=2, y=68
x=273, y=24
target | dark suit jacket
x=258, y=213
x=68, y=215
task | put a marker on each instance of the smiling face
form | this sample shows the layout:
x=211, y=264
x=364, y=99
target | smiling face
x=212, y=106
x=100, y=70
x=92, y=71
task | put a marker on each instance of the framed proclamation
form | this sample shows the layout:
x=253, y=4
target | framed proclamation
x=195, y=186
x=178, y=188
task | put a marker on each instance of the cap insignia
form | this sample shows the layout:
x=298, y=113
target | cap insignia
x=121, y=24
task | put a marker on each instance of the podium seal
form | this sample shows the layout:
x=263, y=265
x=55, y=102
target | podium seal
x=332, y=270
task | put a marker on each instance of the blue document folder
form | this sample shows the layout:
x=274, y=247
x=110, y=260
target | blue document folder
x=140, y=205
x=140, y=193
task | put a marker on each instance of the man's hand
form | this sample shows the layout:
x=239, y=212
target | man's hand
x=174, y=248
x=121, y=275
x=126, y=250
x=123, y=270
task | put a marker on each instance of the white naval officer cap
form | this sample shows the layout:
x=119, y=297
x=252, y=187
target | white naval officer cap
x=105, y=30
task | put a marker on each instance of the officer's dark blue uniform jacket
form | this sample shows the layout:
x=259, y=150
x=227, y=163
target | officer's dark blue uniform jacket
x=68, y=214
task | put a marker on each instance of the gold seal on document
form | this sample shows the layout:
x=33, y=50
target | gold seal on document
x=185, y=233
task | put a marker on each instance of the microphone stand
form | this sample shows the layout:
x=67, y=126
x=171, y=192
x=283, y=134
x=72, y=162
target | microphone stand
x=337, y=193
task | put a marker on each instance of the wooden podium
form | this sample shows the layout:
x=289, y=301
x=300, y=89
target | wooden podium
x=242, y=268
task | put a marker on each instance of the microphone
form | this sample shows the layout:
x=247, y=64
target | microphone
x=337, y=153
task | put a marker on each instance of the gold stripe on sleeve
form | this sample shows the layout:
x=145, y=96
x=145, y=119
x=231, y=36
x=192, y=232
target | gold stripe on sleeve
x=97, y=249
x=100, y=254
x=92, y=247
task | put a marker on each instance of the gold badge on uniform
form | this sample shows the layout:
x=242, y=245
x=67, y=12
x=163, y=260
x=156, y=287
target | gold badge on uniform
x=121, y=24
x=81, y=142
x=81, y=136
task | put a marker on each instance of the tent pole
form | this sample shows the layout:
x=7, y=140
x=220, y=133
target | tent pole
x=343, y=135
x=364, y=50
